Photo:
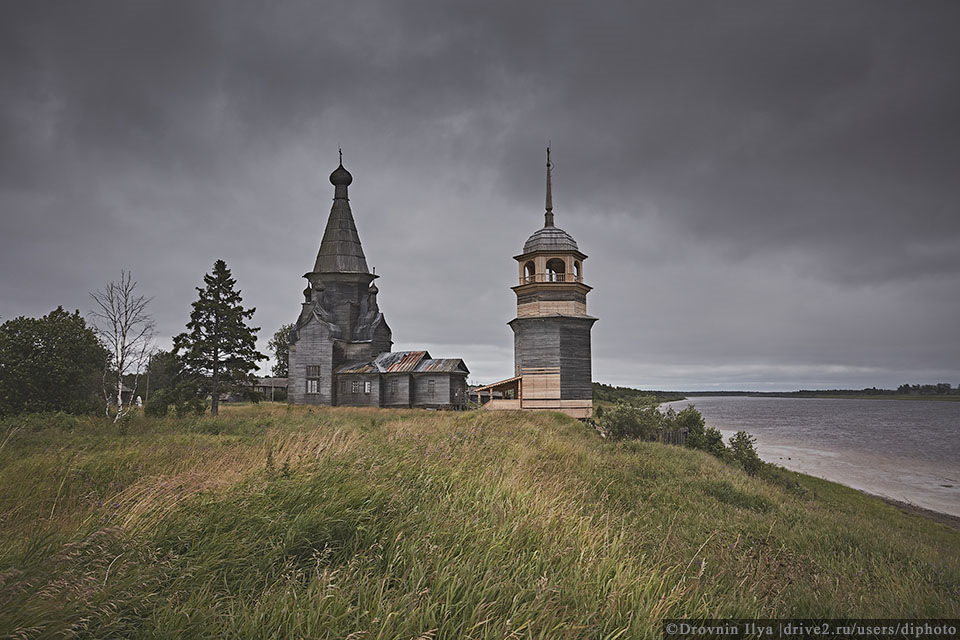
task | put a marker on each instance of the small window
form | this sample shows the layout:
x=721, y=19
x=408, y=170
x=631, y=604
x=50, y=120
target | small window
x=366, y=387
x=313, y=371
x=431, y=387
x=312, y=386
x=394, y=386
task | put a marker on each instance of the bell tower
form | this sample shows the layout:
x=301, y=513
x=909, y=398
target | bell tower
x=551, y=333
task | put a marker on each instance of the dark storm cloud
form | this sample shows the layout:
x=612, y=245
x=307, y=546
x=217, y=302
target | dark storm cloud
x=789, y=167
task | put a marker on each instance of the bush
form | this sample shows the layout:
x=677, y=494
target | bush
x=184, y=398
x=744, y=453
x=49, y=364
x=688, y=418
x=626, y=421
x=701, y=436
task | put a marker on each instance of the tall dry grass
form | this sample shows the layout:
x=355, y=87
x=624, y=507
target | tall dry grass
x=275, y=521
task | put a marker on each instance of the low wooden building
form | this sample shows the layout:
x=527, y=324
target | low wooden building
x=404, y=379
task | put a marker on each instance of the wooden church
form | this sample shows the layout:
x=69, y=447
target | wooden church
x=340, y=348
x=551, y=333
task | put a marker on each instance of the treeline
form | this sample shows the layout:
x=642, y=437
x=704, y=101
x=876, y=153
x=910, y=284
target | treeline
x=60, y=362
x=939, y=389
x=626, y=395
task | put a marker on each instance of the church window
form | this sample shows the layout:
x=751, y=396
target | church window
x=366, y=387
x=355, y=386
x=431, y=387
x=576, y=270
x=394, y=386
x=313, y=379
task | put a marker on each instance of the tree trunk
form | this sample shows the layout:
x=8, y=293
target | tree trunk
x=119, y=399
x=215, y=387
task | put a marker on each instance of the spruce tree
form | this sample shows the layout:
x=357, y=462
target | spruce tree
x=219, y=350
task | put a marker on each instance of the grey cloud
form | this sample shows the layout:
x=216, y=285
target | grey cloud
x=802, y=146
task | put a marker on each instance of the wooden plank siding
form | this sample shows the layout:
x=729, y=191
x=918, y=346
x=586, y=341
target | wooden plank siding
x=358, y=389
x=397, y=389
x=314, y=348
x=442, y=393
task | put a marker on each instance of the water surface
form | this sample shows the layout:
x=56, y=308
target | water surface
x=906, y=450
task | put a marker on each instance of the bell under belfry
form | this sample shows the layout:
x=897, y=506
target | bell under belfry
x=551, y=333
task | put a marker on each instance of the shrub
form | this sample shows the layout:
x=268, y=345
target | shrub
x=185, y=399
x=627, y=421
x=703, y=437
x=689, y=418
x=744, y=453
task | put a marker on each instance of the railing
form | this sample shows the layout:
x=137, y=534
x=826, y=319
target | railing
x=551, y=277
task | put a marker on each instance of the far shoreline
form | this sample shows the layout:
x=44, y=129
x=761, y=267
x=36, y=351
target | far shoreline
x=802, y=395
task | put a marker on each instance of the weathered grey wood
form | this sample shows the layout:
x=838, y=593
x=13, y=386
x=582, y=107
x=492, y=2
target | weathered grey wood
x=551, y=333
x=342, y=332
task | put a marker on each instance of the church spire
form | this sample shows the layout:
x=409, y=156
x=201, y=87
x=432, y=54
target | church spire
x=548, y=216
x=340, y=249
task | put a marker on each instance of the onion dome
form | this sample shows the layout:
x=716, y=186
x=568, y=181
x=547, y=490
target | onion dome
x=341, y=177
x=373, y=289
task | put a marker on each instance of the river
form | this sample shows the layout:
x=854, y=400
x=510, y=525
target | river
x=901, y=449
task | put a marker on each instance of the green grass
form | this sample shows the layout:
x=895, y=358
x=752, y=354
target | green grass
x=277, y=522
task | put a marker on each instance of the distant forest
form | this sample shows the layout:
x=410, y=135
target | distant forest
x=607, y=393
x=939, y=389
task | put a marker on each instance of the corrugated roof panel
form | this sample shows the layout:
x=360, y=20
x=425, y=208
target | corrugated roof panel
x=357, y=367
x=443, y=365
x=399, y=361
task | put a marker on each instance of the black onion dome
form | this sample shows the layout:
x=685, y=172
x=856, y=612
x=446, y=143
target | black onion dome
x=550, y=239
x=340, y=176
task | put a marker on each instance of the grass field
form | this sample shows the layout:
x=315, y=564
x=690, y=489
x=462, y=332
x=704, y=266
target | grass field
x=287, y=522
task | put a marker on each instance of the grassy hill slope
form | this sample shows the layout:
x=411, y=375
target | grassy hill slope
x=276, y=521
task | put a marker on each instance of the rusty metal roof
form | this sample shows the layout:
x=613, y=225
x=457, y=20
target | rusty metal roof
x=388, y=362
x=399, y=361
x=406, y=362
x=442, y=365
x=357, y=367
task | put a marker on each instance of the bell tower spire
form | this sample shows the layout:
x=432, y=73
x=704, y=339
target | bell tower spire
x=548, y=216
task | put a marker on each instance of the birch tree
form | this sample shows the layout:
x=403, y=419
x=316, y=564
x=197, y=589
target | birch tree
x=126, y=329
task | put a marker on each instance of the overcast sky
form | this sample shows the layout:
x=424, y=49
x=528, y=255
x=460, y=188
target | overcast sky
x=768, y=192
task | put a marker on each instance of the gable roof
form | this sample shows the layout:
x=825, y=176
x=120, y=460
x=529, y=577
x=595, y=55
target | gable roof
x=406, y=362
x=387, y=362
x=442, y=365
